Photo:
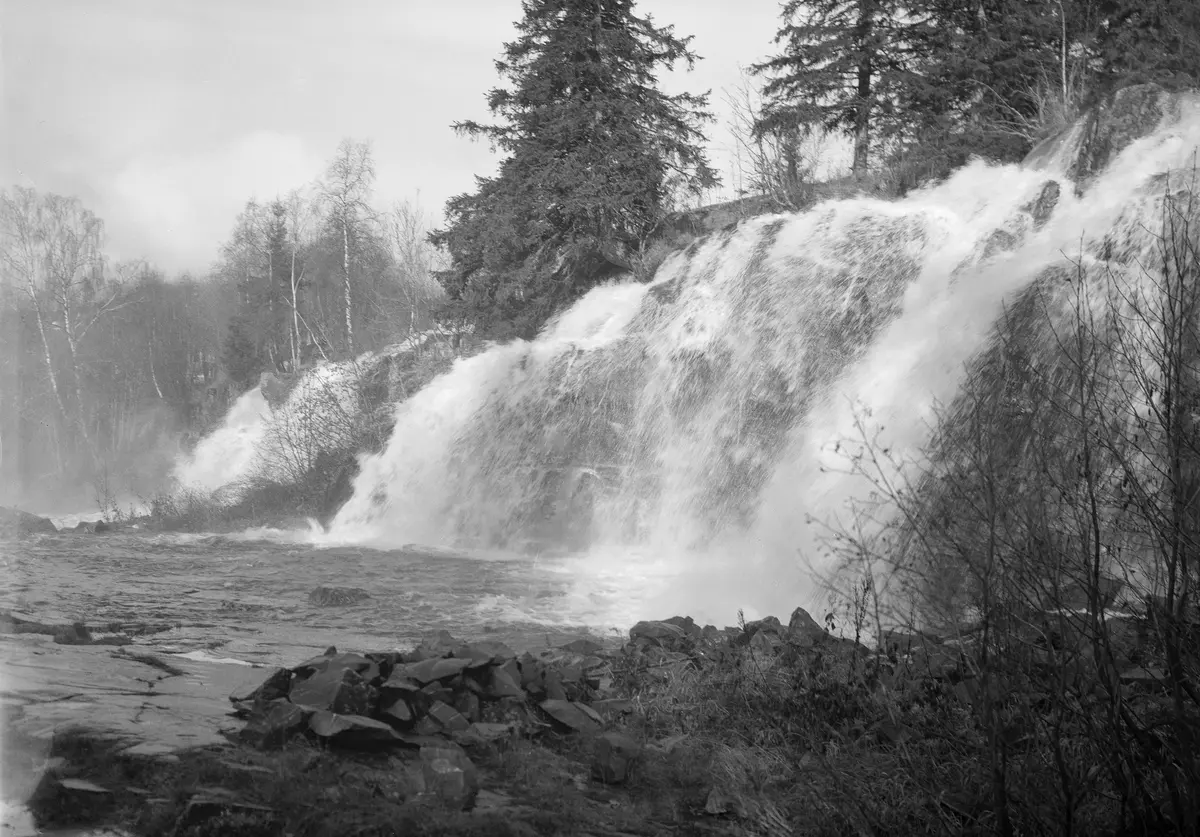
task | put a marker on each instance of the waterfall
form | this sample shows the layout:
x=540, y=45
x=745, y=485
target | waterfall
x=685, y=442
x=228, y=454
x=279, y=442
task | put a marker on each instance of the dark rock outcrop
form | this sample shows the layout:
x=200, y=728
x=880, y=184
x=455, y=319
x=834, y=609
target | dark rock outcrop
x=614, y=757
x=92, y=527
x=15, y=523
x=337, y=596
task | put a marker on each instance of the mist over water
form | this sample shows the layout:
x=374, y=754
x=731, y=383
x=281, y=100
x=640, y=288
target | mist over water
x=679, y=447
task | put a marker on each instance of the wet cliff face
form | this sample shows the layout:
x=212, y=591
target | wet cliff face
x=1095, y=139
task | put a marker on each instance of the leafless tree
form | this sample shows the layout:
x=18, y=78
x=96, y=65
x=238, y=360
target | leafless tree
x=345, y=191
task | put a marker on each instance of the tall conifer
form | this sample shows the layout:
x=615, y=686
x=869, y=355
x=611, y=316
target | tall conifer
x=595, y=153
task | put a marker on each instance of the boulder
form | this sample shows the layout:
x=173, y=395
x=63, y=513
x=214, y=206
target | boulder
x=15, y=523
x=803, y=625
x=274, y=723
x=686, y=624
x=767, y=642
x=468, y=705
x=768, y=624
x=553, y=685
x=450, y=718
x=613, y=757
x=503, y=682
x=277, y=685
x=661, y=634
x=903, y=642
x=350, y=729
x=92, y=527
x=439, y=644
x=76, y=633
x=340, y=690
x=429, y=670
x=574, y=716
x=337, y=596
x=583, y=646
x=399, y=710
x=449, y=776
x=331, y=660
x=483, y=652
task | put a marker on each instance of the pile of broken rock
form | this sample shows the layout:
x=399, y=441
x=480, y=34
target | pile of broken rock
x=439, y=698
x=446, y=695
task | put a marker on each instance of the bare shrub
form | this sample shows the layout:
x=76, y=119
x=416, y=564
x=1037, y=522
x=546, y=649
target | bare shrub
x=1053, y=528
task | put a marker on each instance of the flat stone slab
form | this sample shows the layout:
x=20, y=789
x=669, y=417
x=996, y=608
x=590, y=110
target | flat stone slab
x=159, y=703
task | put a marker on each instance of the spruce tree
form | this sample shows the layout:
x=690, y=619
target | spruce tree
x=1148, y=40
x=841, y=65
x=595, y=153
x=988, y=81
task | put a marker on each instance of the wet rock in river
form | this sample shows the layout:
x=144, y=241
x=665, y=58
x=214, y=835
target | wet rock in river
x=15, y=523
x=91, y=527
x=337, y=596
x=76, y=633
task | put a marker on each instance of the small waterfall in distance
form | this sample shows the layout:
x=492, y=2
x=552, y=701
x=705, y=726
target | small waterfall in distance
x=228, y=454
x=280, y=441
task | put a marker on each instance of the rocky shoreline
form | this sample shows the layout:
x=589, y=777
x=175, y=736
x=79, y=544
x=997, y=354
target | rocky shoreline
x=439, y=717
x=764, y=728
x=679, y=729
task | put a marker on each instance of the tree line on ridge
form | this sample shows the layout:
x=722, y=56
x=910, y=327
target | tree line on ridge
x=100, y=363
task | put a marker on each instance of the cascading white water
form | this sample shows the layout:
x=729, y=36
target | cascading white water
x=320, y=414
x=680, y=437
x=229, y=453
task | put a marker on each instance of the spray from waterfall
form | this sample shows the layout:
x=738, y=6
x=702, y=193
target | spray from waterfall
x=227, y=455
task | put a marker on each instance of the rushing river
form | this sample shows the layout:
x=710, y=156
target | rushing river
x=247, y=598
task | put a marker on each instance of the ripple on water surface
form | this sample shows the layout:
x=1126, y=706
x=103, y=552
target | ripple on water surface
x=244, y=598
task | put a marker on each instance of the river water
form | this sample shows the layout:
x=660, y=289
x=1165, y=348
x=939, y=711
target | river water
x=245, y=598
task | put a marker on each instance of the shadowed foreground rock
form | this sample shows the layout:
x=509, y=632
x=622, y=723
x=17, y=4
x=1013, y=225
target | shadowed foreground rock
x=469, y=730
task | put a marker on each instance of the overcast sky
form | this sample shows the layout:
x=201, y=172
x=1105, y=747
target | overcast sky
x=165, y=116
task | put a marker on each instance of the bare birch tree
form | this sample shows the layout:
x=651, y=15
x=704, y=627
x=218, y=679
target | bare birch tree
x=345, y=191
x=52, y=251
x=416, y=259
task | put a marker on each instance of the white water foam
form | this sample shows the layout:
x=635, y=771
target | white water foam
x=229, y=453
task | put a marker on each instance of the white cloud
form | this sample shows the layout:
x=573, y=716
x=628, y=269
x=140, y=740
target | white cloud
x=176, y=209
